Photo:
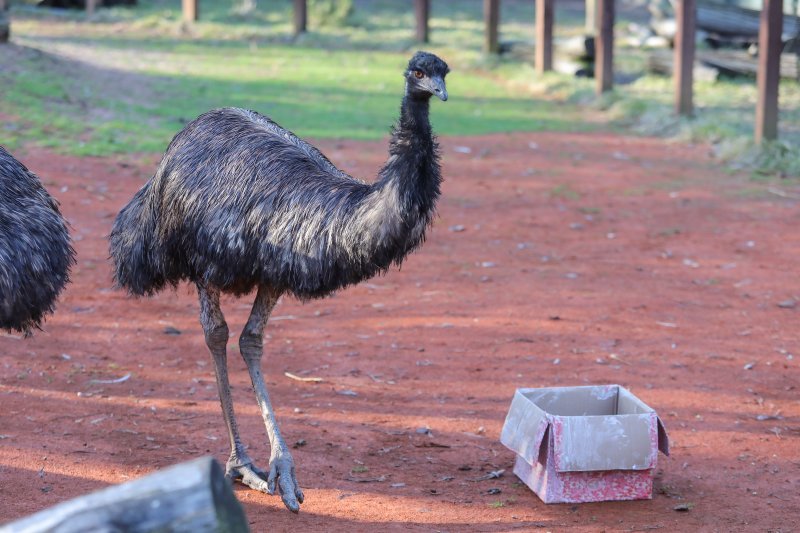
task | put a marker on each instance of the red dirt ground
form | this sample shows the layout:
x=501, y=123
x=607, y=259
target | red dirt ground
x=583, y=259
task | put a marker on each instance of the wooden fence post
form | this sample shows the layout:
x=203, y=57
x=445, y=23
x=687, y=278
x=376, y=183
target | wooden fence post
x=191, y=10
x=769, y=64
x=685, y=17
x=300, y=16
x=5, y=21
x=90, y=7
x=491, y=16
x=422, y=11
x=604, y=47
x=544, y=35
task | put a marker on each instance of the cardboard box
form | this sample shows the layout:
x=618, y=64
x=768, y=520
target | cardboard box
x=584, y=444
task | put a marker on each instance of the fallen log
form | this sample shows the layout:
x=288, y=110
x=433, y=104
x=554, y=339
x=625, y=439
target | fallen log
x=190, y=497
x=726, y=62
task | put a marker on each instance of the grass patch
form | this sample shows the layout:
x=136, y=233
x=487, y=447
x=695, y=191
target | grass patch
x=129, y=79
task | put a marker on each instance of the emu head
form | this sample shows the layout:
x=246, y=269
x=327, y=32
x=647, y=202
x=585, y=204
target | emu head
x=425, y=76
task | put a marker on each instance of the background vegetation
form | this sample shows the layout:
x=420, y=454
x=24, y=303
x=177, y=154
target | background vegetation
x=127, y=79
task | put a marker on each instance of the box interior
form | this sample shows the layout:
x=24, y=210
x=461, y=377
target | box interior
x=587, y=401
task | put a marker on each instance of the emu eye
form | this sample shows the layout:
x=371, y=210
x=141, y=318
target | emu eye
x=418, y=74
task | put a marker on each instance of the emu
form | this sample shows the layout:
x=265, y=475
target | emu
x=35, y=249
x=239, y=203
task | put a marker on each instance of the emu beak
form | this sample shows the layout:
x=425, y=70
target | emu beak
x=438, y=88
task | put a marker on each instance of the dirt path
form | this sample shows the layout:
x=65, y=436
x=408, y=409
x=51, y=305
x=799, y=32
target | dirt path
x=558, y=259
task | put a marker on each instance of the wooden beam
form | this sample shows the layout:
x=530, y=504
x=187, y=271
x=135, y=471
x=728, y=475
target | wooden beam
x=769, y=57
x=300, y=16
x=422, y=11
x=544, y=35
x=191, y=496
x=491, y=16
x=685, y=18
x=604, y=46
x=191, y=10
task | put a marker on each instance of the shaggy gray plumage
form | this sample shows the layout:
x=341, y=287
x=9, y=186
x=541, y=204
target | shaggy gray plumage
x=35, y=250
x=238, y=203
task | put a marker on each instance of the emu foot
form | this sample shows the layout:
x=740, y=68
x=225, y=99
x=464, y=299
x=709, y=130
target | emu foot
x=281, y=473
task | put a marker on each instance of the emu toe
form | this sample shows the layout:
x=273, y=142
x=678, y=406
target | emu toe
x=281, y=473
x=249, y=475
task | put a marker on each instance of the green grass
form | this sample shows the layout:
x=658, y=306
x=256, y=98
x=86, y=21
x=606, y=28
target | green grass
x=129, y=79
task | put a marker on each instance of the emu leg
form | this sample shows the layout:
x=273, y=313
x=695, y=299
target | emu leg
x=281, y=464
x=239, y=465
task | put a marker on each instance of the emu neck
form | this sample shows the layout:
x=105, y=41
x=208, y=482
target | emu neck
x=412, y=168
x=414, y=121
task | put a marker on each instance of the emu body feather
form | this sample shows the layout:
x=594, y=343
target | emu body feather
x=238, y=201
x=35, y=250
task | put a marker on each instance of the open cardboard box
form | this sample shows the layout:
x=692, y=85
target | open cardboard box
x=584, y=444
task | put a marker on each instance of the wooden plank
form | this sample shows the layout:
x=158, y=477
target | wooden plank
x=300, y=16
x=422, y=11
x=769, y=56
x=192, y=496
x=544, y=35
x=685, y=18
x=604, y=46
x=491, y=17
x=191, y=10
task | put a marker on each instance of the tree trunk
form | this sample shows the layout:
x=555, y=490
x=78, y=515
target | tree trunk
x=190, y=497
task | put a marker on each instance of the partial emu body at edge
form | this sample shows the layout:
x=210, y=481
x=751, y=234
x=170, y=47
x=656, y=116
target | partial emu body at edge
x=35, y=250
x=239, y=203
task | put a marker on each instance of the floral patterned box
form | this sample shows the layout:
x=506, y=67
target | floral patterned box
x=584, y=444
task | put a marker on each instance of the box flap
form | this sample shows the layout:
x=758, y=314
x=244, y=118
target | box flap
x=525, y=427
x=663, y=438
x=590, y=443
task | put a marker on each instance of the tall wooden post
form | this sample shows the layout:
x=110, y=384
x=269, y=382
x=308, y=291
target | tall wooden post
x=685, y=17
x=604, y=46
x=90, y=6
x=191, y=10
x=422, y=11
x=5, y=21
x=491, y=16
x=544, y=35
x=300, y=16
x=769, y=64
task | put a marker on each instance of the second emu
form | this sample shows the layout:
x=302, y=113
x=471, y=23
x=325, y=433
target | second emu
x=240, y=203
x=35, y=249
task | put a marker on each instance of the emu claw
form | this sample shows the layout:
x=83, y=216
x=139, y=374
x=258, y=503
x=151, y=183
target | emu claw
x=281, y=473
